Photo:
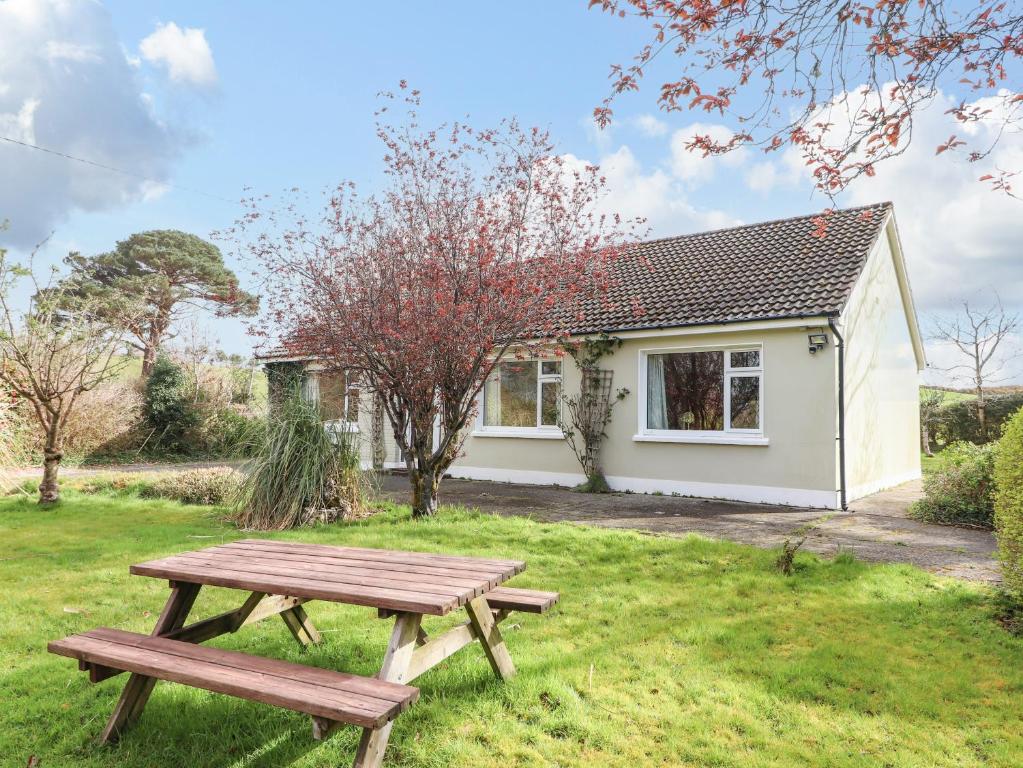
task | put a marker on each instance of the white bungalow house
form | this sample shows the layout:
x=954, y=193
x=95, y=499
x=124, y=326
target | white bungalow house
x=764, y=364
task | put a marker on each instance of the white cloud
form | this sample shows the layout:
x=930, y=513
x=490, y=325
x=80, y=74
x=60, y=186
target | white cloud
x=961, y=239
x=653, y=195
x=650, y=126
x=68, y=87
x=183, y=52
x=691, y=165
x=57, y=50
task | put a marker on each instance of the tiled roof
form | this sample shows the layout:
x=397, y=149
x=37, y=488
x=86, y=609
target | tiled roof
x=772, y=270
x=775, y=269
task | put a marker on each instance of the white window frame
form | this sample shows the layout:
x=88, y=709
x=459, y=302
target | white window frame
x=311, y=390
x=544, y=432
x=726, y=436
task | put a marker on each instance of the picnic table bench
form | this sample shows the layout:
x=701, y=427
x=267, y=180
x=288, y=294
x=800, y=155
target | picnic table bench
x=281, y=577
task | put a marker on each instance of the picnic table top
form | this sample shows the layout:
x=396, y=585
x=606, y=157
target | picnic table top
x=416, y=582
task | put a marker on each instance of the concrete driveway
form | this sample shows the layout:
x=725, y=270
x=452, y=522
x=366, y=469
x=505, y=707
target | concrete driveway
x=875, y=528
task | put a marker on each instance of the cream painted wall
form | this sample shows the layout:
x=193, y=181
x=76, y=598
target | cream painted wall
x=882, y=380
x=798, y=466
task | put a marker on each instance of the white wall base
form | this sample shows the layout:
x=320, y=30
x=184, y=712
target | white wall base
x=758, y=494
x=859, y=491
x=365, y=465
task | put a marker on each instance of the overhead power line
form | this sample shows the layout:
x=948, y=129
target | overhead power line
x=114, y=170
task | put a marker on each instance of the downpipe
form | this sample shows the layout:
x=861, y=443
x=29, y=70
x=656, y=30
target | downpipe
x=840, y=349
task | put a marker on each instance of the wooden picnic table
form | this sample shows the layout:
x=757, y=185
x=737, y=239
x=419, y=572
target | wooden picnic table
x=283, y=576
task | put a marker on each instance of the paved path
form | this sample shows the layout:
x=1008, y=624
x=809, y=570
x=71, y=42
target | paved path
x=96, y=469
x=875, y=528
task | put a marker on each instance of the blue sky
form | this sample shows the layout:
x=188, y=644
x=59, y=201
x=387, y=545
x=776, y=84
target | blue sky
x=216, y=97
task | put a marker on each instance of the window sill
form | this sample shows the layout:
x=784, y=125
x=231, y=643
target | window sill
x=724, y=439
x=525, y=432
x=337, y=426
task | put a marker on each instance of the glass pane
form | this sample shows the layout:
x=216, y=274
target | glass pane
x=332, y=396
x=510, y=395
x=685, y=390
x=745, y=402
x=550, y=406
x=551, y=368
x=745, y=359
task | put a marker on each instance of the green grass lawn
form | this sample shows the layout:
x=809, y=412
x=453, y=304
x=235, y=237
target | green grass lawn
x=662, y=652
x=931, y=464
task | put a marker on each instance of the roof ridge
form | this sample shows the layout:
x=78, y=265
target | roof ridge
x=884, y=204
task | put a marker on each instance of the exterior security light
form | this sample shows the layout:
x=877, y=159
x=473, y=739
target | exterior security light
x=817, y=342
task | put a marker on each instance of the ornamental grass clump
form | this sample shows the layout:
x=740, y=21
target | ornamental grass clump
x=1009, y=506
x=301, y=472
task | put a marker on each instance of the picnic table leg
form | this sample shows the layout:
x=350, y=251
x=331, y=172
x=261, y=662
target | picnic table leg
x=301, y=627
x=394, y=669
x=137, y=689
x=481, y=617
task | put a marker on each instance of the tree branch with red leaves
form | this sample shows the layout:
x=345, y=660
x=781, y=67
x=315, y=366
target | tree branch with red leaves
x=479, y=241
x=839, y=81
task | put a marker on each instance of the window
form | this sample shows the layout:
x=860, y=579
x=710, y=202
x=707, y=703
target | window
x=337, y=396
x=715, y=391
x=523, y=394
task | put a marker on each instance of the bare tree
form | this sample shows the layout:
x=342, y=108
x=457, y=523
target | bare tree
x=931, y=401
x=978, y=335
x=49, y=355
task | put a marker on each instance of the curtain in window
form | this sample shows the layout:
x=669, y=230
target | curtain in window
x=656, y=405
x=310, y=387
x=492, y=401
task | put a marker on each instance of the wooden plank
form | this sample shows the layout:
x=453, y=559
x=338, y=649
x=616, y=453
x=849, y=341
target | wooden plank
x=390, y=555
x=482, y=619
x=373, y=597
x=373, y=743
x=243, y=568
x=326, y=565
x=245, y=679
x=138, y=688
x=436, y=568
x=525, y=600
x=271, y=605
x=346, y=576
x=434, y=651
x=343, y=681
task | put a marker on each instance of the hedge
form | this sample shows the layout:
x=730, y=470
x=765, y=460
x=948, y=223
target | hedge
x=1009, y=505
x=957, y=421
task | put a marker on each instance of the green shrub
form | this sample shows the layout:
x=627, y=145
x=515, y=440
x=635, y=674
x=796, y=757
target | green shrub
x=300, y=473
x=962, y=491
x=217, y=486
x=167, y=411
x=1009, y=505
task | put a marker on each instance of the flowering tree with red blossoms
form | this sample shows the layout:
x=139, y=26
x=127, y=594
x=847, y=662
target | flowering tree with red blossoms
x=474, y=250
x=839, y=80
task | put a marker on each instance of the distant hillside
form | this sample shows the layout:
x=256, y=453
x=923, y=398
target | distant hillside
x=952, y=395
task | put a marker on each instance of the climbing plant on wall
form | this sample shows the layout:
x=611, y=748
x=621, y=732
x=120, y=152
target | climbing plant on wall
x=585, y=415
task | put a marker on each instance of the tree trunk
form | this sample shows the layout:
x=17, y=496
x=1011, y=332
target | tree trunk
x=49, y=491
x=925, y=439
x=148, y=361
x=982, y=415
x=152, y=343
x=424, y=492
